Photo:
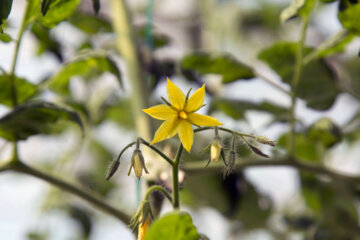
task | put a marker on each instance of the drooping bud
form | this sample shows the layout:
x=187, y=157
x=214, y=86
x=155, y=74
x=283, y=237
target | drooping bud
x=264, y=140
x=232, y=158
x=143, y=228
x=215, y=149
x=142, y=219
x=138, y=162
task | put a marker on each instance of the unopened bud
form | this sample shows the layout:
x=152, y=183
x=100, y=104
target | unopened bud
x=215, y=149
x=138, y=163
x=264, y=140
x=143, y=226
x=231, y=163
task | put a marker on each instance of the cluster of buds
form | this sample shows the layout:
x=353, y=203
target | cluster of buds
x=142, y=219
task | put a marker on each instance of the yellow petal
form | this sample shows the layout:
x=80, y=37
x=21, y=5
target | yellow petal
x=186, y=134
x=175, y=95
x=202, y=120
x=161, y=112
x=166, y=130
x=196, y=100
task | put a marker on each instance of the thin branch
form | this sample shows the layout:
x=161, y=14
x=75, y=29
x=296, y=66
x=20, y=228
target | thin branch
x=200, y=129
x=100, y=204
x=160, y=189
x=166, y=158
x=272, y=83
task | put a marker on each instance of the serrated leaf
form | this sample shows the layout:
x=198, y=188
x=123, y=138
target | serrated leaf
x=96, y=6
x=317, y=85
x=34, y=118
x=237, y=108
x=46, y=41
x=174, y=226
x=45, y=4
x=5, y=38
x=225, y=65
x=89, y=23
x=86, y=64
x=24, y=90
x=349, y=11
x=296, y=8
x=58, y=11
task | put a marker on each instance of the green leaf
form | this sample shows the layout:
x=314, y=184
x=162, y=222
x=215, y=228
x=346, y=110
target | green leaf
x=317, y=85
x=159, y=40
x=5, y=38
x=24, y=90
x=305, y=148
x=237, y=108
x=297, y=8
x=58, y=11
x=174, y=226
x=46, y=41
x=34, y=118
x=325, y=132
x=45, y=6
x=89, y=63
x=120, y=113
x=225, y=65
x=96, y=6
x=5, y=9
x=349, y=11
x=90, y=24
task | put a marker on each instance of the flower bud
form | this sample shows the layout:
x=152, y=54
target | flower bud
x=231, y=163
x=264, y=140
x=143, y=226
x=138, y=163
x=215, y=149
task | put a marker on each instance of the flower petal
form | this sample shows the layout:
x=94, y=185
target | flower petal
x=196, y=100
x=186, y=134
x=166, y=130
x=202, y=120
x=161, y=112
x=175, y=95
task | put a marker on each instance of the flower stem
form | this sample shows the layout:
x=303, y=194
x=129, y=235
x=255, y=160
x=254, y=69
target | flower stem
x=176, y=202
x=166, y=158
x=160, y=189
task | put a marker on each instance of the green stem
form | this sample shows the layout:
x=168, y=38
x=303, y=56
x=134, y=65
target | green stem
x=200, y=129
x=160, y=189
x=166, y=158
x=100, y=204
x=295, y=81
x=176, y=200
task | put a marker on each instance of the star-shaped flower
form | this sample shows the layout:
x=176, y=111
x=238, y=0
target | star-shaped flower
x=180, y=115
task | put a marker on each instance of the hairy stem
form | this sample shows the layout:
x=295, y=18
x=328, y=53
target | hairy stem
x=160, y=189
x=68, y=187
x=176, y=200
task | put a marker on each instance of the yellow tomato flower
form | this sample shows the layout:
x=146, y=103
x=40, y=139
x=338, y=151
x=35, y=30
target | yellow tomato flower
x=143, y=228
x=180, y=115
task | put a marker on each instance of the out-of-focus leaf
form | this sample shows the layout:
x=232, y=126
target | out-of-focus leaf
x=159, y=40
x=338, y=44
x=5, y=9
x=34, y=118
x=58, y=11
x=264, y=18
x=297, y=8
x=46, y=41
x=175, y=226
x=34, y=235
x=349, y=11
x=120, y=113
x=328, y=1
x=96, y=6
x=317, y=85
x=237, y=108
x=225, y=65
x=5, y=38
x=89, y=23
x=45, y=4
x=326, y=132
x=24, y=90
x=81, y=216
x=353, y=70
x=305, y=148
x=88, y=63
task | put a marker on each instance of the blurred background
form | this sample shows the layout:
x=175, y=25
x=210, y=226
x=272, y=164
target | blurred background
x=261, y=203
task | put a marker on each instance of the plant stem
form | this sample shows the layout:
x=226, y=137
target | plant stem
x=295, y=81
x=160, y=189
x=166, y=158
x=272, y=83
x=176, y=201
x=200, y=129
x=100, y=204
